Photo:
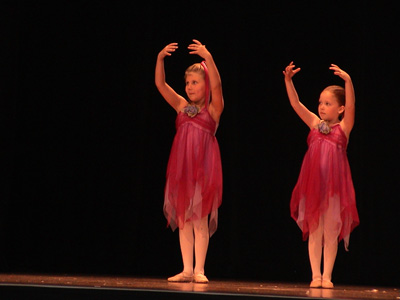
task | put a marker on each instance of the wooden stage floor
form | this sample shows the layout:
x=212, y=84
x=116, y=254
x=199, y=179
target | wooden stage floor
x=36, y=286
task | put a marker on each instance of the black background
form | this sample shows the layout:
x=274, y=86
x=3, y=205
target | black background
x=85, y=135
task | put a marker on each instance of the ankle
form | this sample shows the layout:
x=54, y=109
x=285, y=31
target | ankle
x=200, y=271
x=187, y=272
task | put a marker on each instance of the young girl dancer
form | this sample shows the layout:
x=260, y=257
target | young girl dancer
x=193, y=190
x=323, y=201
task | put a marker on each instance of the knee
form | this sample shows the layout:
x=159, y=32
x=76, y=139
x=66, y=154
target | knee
x=201, y=231
x=330, y=241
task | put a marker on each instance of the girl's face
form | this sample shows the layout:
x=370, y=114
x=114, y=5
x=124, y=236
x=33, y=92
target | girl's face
x=195, y=87
x=329, y=109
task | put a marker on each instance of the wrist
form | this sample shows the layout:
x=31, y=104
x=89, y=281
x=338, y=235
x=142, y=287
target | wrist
x=348, y=80
x=208, y=57
x=160, y=56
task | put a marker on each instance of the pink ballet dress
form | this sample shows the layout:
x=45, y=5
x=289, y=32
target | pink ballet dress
x=193, y=187
x=325, y=183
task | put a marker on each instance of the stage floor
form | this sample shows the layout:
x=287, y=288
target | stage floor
x=29, y=284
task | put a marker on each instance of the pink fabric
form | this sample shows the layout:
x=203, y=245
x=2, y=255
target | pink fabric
x=194, y=173
x=325, y=181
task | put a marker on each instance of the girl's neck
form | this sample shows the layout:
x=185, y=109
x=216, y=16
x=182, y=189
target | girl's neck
x=199, y=104
x=331, y=122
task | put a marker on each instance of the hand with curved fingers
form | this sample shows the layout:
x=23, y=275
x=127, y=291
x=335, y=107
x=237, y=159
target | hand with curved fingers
x=169, y=94
x=167, y=50
x=199, y=49
x=348, y=119
x=217, y=104
x=290, y=71
x=339, y=72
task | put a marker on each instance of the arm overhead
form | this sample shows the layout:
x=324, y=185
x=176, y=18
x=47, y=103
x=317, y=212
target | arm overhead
x=307, y=116
x=347, y=122
x=174, y=99
x=217, y=104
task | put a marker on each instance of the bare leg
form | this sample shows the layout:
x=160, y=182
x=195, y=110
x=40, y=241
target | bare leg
x=201, y=244
x=202, y=238
x=330, y=251
x=315, y=254
x=186, y=239
x=331, y=233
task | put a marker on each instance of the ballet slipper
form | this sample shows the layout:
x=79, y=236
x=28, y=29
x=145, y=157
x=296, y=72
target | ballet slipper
x=327, y=284
x=200, y=278
x=316, y=283
x=181, y=277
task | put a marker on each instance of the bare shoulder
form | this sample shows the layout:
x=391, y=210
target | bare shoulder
x=180, y=104
x=345, y=129
x=183, y=103
x=314, y=122
x=215, y=114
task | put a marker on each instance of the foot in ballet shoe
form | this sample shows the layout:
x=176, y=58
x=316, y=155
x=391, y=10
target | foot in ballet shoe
x=200, y=278
x=316, y=283
x=327, y=284
x=181, y=277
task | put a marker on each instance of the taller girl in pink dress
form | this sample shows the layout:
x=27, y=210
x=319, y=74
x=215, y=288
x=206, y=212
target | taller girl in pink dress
x=323, y=201
x=193, y=190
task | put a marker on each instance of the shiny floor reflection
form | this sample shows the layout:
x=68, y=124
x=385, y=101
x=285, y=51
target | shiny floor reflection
x=215, y=287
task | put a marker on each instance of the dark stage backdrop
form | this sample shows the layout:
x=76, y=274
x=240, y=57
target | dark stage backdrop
x=85, y=135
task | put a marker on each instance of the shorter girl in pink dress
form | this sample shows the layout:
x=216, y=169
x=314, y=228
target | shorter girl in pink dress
x=323, y=201
x=193, y=190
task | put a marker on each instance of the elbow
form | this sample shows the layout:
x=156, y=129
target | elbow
x=159, y=83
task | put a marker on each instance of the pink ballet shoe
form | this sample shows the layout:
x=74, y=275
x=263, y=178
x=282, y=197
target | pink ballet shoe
x=200, y=278
x=316, y=283
x=181, y=277
x=327, y=284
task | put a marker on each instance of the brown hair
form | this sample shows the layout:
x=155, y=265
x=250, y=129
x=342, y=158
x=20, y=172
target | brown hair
x=339, y=94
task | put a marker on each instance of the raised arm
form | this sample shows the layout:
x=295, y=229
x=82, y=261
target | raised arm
x=174, y=99
x=217, y=104
x=347, y=122
x=307, y=116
